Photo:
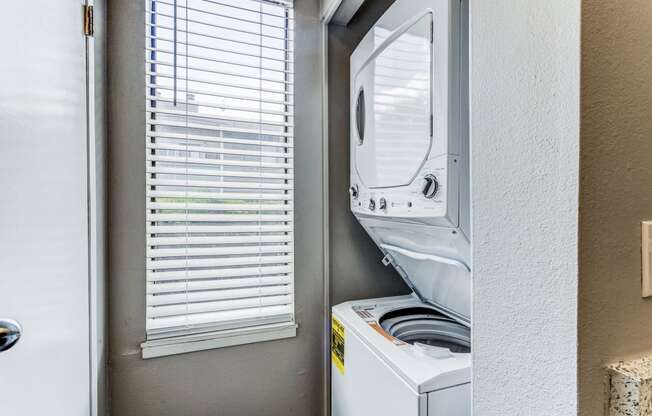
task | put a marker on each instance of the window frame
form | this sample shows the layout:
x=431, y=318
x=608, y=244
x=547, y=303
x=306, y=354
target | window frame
x=177, y=344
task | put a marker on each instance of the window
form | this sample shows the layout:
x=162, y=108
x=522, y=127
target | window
x=219, y=144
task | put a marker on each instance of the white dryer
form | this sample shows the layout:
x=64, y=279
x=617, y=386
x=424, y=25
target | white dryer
x=410, y=356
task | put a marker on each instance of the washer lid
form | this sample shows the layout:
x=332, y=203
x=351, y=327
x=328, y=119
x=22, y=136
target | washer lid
x=442, y=282
x=432, y=260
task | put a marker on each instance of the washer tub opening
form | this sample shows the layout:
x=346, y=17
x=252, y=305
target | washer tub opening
x=427, y=326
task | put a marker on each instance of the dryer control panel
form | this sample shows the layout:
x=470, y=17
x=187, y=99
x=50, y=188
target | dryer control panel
x=430, y=196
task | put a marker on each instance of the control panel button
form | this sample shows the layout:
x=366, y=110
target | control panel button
x=353, y=190
x=382, y=204
x=372, y=205
x=430, y=186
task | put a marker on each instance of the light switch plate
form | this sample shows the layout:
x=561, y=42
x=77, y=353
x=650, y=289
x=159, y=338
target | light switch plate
x=646, y=258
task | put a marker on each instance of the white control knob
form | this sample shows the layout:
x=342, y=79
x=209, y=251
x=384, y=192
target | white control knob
x=372, y=205
x=430, y=186
x=382, y=204
x=353, y=190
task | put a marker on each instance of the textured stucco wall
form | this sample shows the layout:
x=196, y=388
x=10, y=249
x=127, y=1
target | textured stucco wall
x=283, y=377
x=616, y=188
x=525, y=57
x=356, y=271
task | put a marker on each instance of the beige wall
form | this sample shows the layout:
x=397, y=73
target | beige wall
x=616, y=188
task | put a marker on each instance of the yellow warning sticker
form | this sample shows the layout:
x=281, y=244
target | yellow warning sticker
x=337, y=345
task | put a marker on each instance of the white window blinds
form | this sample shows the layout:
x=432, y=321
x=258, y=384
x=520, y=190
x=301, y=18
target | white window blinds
x=219, y=147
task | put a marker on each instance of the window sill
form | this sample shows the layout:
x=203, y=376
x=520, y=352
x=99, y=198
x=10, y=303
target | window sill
x=221, y=339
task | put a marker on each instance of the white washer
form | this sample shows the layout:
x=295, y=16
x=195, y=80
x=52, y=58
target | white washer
x=399, y=356
x=410, y=356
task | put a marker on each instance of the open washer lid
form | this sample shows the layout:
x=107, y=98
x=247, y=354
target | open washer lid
x=433, y=261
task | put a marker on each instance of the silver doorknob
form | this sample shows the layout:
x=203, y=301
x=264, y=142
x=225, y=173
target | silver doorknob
x=10, y=332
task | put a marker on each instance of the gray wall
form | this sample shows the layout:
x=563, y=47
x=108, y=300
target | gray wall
x=325, y=4
x=616, y=185
x=275, y=378
x=355, y=268
x=525, y=59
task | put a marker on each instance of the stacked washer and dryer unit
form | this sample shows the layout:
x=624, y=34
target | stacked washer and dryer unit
x=410, y=355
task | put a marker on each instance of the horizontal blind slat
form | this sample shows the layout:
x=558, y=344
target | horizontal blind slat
x=221, y=72
x=222, y=94
x=217, y=172
x=186, y=217
x=216, y=251
x=155, y=100
x=211, y=184
x=222, y=83
x=217, y=262
x=222, y=274
x=213, y=37
x=183, y=138
x=153, y=40
x=201, y=319
x=192, y=196
x=160, y=288
x=185, y=7
x=198, y=117
x=216, y=162
x=239, y=239
x=216, y=295
x=192, y=126
x=194, y=22
x=287, y=3
x=217, y=207
x=223, y=305
x=203, y=228
x=218, y=150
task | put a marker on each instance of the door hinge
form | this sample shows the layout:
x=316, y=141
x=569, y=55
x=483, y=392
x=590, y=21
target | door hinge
x=89, y=25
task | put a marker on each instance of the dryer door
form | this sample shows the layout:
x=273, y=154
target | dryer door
x=392, y=105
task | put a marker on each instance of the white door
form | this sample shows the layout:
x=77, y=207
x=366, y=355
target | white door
x=44, y=234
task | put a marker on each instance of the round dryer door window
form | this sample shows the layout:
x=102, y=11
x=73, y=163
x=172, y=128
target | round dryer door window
x=425, y=326
x=394, y=128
